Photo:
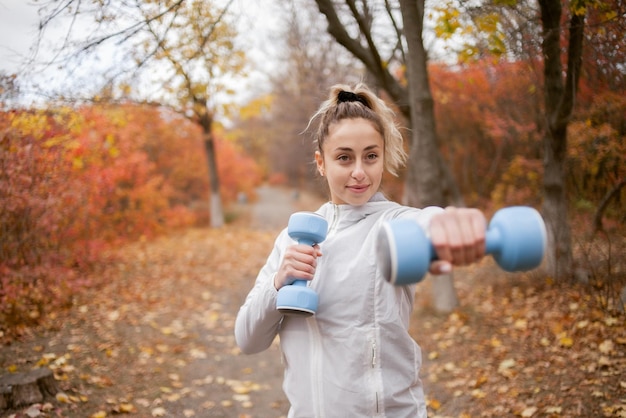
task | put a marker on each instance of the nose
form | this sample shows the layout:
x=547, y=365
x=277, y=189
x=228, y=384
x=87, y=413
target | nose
x=358, y=173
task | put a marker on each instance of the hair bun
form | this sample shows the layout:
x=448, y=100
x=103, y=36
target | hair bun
x=348, y=96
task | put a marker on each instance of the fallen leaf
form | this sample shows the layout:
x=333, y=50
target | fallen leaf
x=62, y=397
x=553, y=410
x=158, y=412
x=433, y=404
x=566, y=341
x=33, y=411
x=529, y=412
x=606, y=347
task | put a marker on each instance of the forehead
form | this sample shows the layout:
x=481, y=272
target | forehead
x=354, y=134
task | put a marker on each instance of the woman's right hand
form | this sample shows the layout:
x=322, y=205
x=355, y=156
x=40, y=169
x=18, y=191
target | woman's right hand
x=298, y=263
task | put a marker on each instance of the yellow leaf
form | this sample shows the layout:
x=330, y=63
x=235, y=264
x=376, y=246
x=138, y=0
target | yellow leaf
x=480, y=381
x=12, y=368
x=521, y=324
x=478, y=394
x=99, y=414
x=495, y=342
x=62, y=397
x=127, y=407
x=241, y=390
x=433, y=404
x=566, y=341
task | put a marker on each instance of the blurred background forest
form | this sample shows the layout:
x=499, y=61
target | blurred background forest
x=126, y=120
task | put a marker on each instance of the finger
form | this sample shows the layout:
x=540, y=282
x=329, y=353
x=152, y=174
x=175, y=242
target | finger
x=479, y=228
x=439, y=239
x=300, y=261
x=470, y=238
x=451, y=239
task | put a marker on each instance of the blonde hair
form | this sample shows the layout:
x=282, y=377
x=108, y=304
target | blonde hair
x=345, y=102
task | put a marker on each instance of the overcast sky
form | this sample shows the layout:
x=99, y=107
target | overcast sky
x=19, y=20
x=18, y=29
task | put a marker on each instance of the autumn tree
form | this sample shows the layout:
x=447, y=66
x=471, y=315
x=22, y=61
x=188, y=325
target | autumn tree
x=186, y=48
x=563, y=43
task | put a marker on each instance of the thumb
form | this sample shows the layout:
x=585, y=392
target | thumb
x=440, y=267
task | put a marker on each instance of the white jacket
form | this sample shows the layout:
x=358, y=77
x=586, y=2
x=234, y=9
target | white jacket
x=354, y=357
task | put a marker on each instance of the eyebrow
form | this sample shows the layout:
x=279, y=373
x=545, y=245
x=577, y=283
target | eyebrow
x=346, y=149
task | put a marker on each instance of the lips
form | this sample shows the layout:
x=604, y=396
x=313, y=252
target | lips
x=359, y=188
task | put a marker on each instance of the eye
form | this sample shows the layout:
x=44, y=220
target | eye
x=343, y=157
x=372, y=156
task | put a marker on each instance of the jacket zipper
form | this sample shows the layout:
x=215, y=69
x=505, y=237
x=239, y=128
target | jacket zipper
x=316, y=350
x=373, y=367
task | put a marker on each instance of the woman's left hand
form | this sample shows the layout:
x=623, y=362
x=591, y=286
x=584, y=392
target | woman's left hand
x=458, y=235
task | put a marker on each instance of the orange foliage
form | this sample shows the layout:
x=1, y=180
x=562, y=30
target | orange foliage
x=490, y=124
x=597, y=152
x=486, y=115
x=75, y=181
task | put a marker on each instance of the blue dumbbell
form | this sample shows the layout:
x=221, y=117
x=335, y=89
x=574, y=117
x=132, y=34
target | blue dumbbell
x=516, y=238
x=307, y=228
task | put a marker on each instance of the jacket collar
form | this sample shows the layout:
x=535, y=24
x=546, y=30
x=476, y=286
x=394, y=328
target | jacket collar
x=342, y=216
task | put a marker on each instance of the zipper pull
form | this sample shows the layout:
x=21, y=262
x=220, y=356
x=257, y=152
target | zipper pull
x=373, y=355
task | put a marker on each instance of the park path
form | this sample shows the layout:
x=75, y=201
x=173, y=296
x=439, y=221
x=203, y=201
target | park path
x=252, y=382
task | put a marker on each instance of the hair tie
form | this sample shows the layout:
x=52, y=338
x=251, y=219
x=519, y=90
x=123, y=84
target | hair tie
x=348, y=96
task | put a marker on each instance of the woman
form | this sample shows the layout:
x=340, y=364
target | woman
x=354, y=357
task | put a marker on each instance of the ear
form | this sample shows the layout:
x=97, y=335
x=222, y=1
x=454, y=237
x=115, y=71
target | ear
x=319, y=160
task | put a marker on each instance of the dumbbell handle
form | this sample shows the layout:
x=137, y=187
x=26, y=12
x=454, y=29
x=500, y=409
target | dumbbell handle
x=311, y=243
x=493, y=243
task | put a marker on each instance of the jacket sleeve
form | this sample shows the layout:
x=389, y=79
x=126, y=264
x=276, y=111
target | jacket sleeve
x=258, y=321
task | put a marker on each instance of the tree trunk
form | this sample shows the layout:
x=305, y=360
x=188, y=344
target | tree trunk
x=597, y=218
x=559, y=98
x=425, y=172
x=215, y=199
x=21, y=389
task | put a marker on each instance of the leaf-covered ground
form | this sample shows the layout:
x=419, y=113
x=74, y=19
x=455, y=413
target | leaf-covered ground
x=156, y=340
x=518, y=349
